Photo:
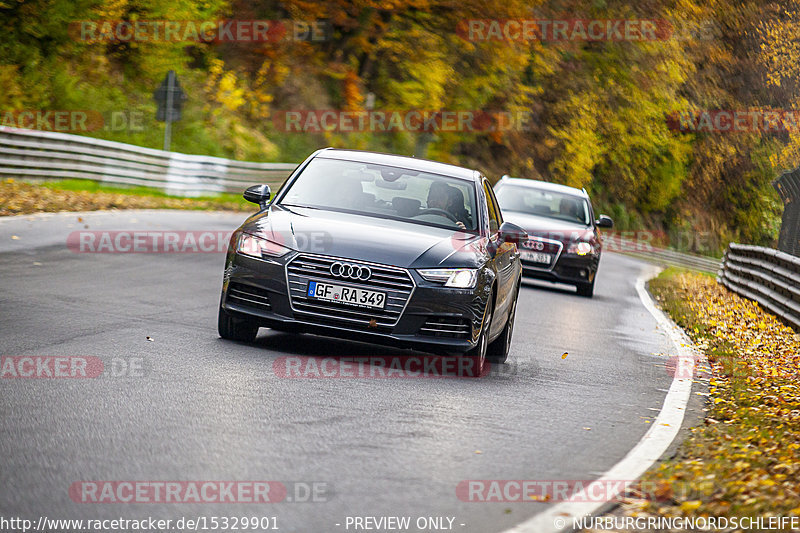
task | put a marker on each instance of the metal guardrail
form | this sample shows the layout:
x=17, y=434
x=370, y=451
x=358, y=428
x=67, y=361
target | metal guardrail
x=788, y=187
x=770, y=277
x=664, y=256
x=42, y=155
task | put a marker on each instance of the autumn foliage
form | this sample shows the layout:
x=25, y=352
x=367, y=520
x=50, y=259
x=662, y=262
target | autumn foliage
x=600, y=108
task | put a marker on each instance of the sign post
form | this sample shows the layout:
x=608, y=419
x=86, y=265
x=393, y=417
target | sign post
x=170, y=98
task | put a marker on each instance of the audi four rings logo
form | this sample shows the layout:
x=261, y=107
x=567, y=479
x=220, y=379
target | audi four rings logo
x=534, y=245
x=346, y=270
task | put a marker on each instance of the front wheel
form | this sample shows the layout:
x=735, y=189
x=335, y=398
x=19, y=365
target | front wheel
x=477, y=355
x=235, y=329
x=497, y=351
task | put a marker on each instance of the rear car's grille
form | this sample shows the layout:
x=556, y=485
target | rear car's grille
x=450, y=327
x=540, y=245
x=248, y=296
x=394, y=281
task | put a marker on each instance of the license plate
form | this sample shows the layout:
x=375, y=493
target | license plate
x=535, y=257
x=346, y=295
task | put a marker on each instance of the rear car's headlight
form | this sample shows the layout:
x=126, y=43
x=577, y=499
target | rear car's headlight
x=258, y=247
x=580, y=248
x=459, y=278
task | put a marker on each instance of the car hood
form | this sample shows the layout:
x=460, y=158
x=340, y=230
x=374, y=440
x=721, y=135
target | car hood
x=546, y=227
x=366, y=238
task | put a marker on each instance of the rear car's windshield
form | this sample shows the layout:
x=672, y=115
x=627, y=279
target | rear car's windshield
x=542, y=202
x=389, y=192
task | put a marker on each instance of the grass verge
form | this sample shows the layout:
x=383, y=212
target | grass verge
x=745, y=460
x=18, y=198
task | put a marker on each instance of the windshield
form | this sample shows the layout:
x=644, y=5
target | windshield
x=387, y=192
x=545, y=203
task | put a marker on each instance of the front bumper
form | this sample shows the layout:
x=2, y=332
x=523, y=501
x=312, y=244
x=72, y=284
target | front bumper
x=418, y=314
x=569, y=268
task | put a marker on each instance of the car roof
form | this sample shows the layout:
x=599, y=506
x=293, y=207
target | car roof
x=544, y=186
x=400, y=161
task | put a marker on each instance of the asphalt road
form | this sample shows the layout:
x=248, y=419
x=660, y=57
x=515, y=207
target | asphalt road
x=208, y=409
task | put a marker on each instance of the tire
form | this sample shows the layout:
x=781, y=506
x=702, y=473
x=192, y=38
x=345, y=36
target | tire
x=477, y=355
x=235, y=329
x=586, y=289
x=497, y=351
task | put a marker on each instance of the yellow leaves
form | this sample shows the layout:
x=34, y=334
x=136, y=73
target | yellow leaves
x=741, y=465
x=767, y=347
x=693, y=505
x=25, y=198
x=352, y=92
x=229, y=93
x=664, y=490
x=745, y=456
x=223, y=87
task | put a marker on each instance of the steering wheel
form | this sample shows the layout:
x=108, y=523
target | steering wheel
x=436, y=211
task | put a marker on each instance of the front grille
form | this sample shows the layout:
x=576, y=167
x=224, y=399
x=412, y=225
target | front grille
x=540, y=244
x=450, y=327
x=394, y=281
x=248, y=296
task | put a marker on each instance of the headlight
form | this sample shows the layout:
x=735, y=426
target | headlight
x=460, y=278
x=258, y=247
x=580, y=248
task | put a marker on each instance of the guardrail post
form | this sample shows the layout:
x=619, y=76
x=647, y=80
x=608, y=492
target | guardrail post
x=788, y=187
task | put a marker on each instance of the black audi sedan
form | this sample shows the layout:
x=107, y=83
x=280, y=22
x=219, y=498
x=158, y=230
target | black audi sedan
x=564, y=243
x=378, y=248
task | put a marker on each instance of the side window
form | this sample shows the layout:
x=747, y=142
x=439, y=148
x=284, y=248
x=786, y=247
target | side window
x=496, y=206
x=491, y=204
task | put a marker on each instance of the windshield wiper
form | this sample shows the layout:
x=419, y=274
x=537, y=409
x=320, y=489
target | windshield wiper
x=301, y=206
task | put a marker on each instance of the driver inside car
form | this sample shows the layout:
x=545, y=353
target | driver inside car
x=569, y=209
x=439, y=198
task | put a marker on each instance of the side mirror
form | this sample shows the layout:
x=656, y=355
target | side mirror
x=604, y=222
x=258, y=194
x=512, y=233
